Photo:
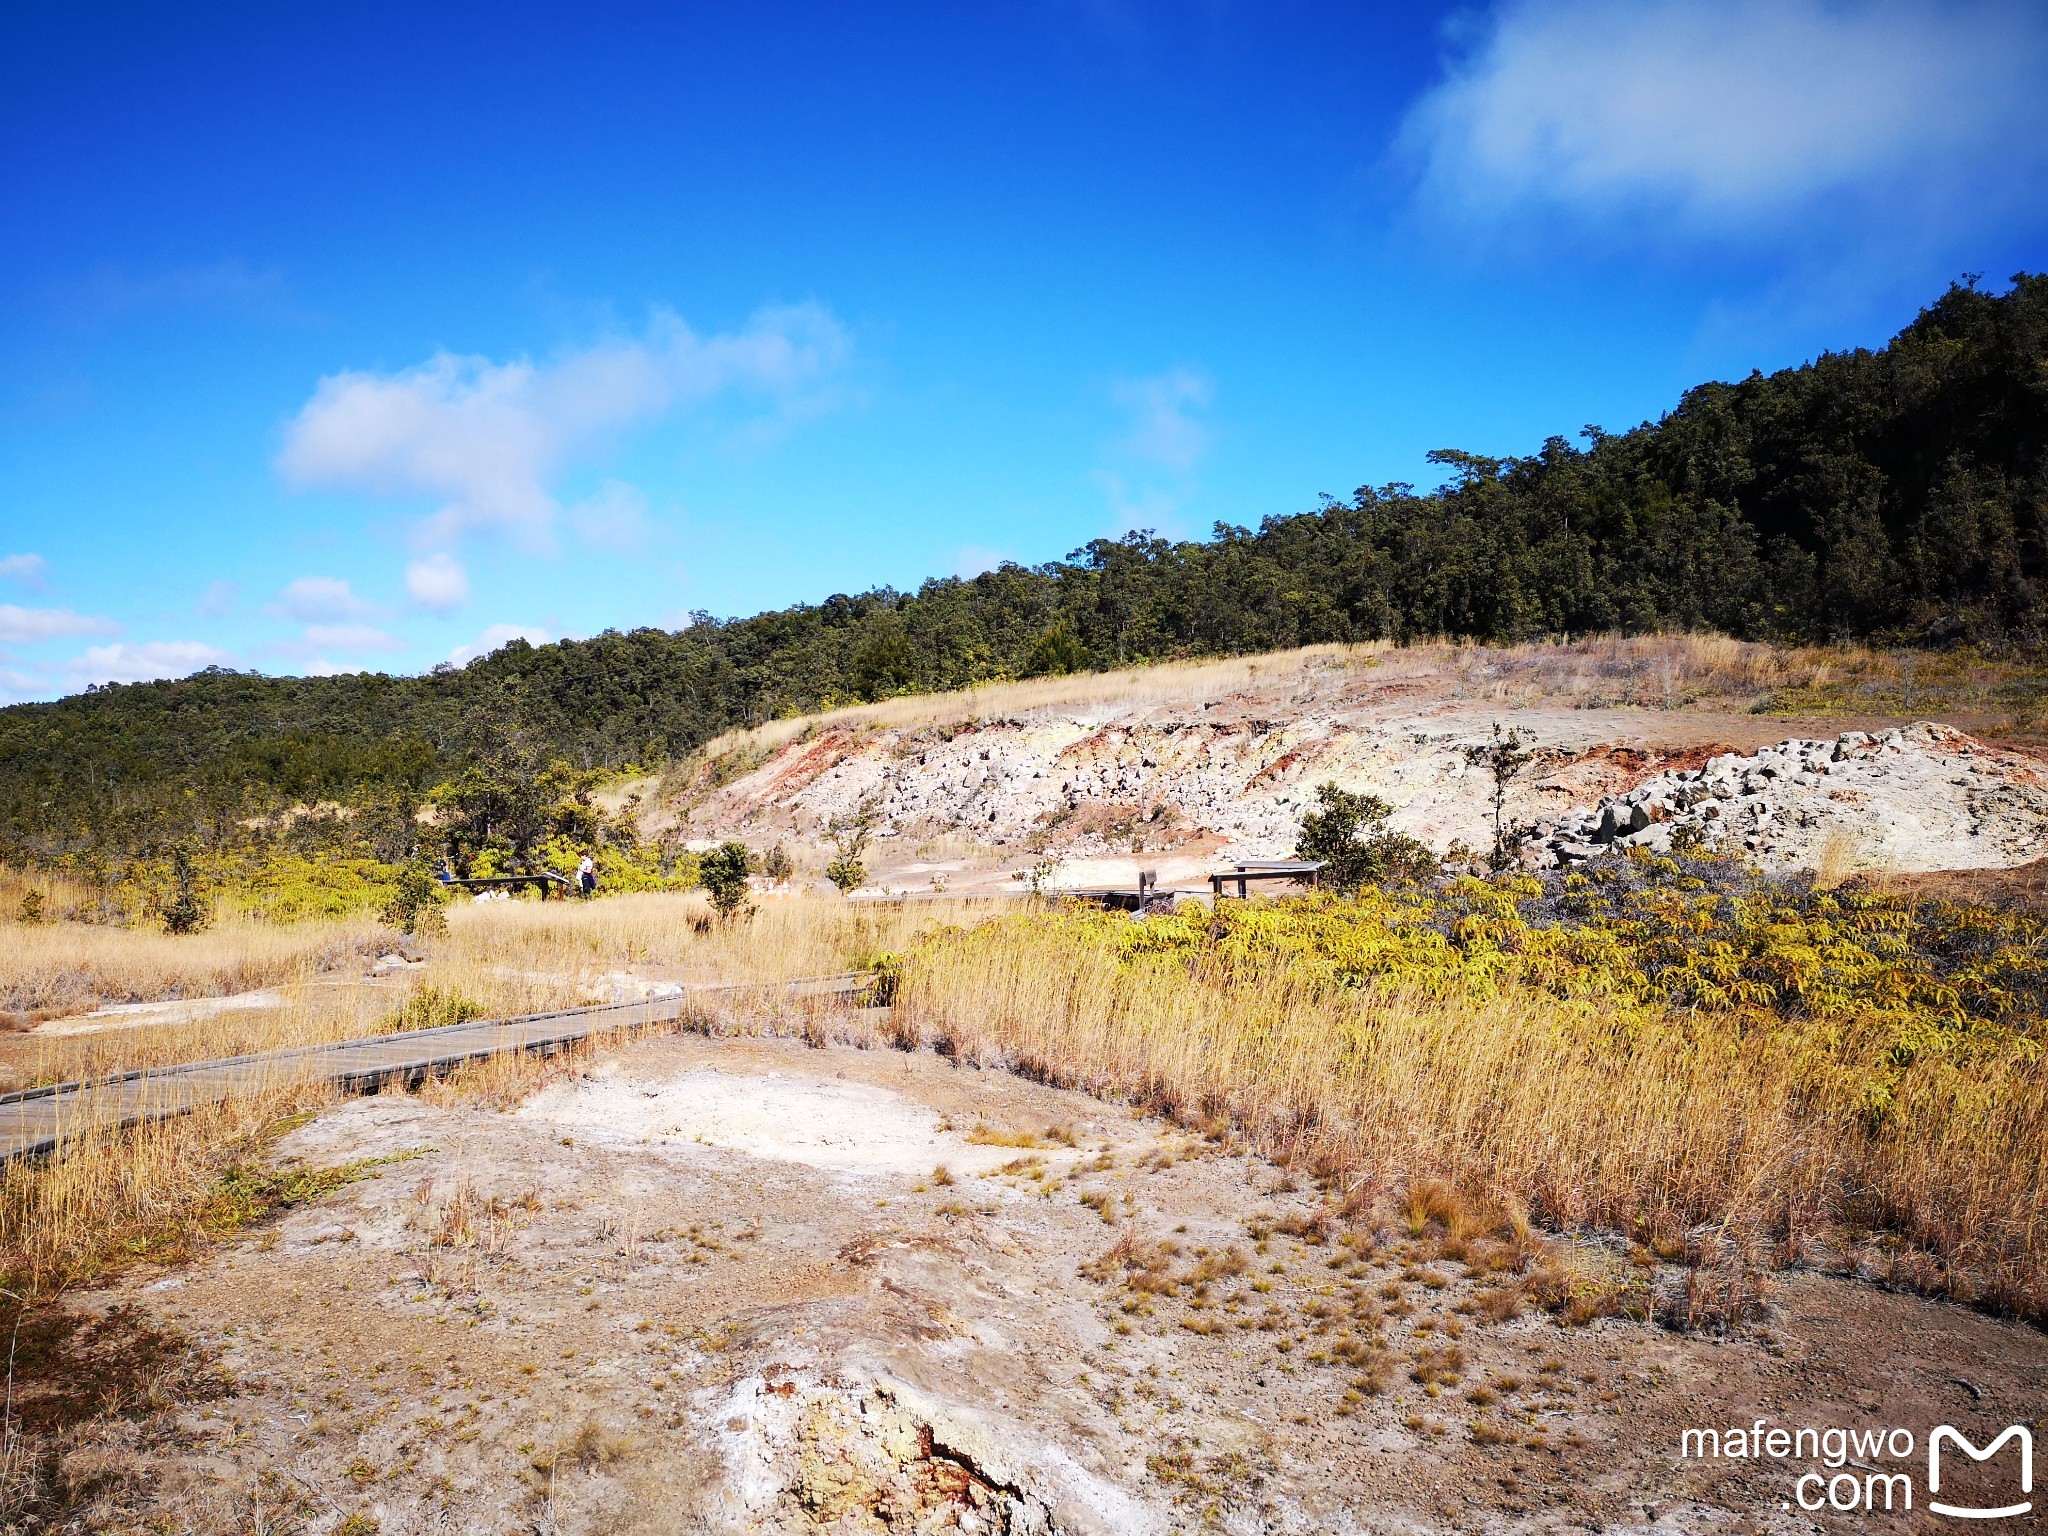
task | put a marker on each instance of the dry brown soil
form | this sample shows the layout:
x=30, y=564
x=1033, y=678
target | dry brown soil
x=717, y=1285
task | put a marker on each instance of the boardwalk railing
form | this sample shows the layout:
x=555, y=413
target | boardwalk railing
x=34, y=1121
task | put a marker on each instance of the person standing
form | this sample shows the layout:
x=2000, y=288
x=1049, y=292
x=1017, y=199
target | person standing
x=586, y=876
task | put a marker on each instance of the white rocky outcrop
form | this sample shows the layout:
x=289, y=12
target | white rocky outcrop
x=1184, y=785
x=1921, y=797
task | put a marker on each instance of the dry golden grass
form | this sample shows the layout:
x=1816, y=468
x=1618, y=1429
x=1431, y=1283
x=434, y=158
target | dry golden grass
x=311, y=1014
x=787, y=937
x=1592, y=1122
x=65, y=967
x=505, y=957
x=26, y=895
x=1167, y=683
x=122, y=1194
x=112, y=1194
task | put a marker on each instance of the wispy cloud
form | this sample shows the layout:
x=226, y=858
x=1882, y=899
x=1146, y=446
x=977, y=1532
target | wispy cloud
x=1164, y=427
x=437, y=582
x=146, y=662
x=230, y=287
x=320, y=599
x=22, y=626
x=615, y=518
x=218, y=600
x=970, y=560
x=1729, y=115
x=489, y=440
x=496, y=638
x=349, y=637
x=1148, y=469
x=26, y=569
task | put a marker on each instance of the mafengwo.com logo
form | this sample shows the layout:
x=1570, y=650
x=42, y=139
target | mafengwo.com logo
x=1880, y=1470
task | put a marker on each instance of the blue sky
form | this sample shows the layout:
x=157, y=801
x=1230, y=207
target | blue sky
x=363, y=337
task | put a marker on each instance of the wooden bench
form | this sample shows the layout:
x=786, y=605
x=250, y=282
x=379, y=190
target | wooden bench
x=1307, y=872
x=540, y=880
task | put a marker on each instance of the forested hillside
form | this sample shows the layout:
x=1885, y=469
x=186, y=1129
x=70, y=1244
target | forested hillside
x=1900, y=493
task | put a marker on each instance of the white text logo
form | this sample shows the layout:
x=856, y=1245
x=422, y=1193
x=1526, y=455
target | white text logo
x=1946, y=1432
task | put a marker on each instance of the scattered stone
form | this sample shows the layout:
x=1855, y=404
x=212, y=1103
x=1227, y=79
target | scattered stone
x=1922, y=797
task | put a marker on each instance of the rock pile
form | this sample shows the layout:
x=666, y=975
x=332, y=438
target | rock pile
x=1923, y=796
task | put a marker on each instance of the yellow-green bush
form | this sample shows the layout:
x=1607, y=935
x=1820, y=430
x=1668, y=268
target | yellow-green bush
x=1638, y=939
x=1657, y=1041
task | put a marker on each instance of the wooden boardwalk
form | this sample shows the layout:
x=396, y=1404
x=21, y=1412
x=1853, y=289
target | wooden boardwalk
x=35, y=1121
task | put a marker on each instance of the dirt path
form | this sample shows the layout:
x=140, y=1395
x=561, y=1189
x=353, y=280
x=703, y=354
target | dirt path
x=719, y=1286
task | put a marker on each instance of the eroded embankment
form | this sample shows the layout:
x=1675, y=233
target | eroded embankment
x=1188, y=783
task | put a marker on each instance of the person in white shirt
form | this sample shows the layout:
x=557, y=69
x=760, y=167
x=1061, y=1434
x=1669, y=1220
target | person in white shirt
x=586, y=875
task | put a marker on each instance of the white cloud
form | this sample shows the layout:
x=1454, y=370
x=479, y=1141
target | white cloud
x=27, y=569
x=1727, y=112
x=125, y=663
x=1163, y=427
x=437, y=582
x=24, y=625
x=489, y=439
x=320, y=599
x=615, y=518
x=494, y=638
x=1143, y=506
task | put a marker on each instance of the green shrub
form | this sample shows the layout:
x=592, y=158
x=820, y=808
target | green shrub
x=430, y=1008
x=416, y=902
x=185, y=910
x=1349, y=834
x=724, y=873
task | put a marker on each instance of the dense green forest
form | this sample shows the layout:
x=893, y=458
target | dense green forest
x=1900, y=493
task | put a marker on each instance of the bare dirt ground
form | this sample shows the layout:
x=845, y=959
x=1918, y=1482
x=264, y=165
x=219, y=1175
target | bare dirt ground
x=721, y=1285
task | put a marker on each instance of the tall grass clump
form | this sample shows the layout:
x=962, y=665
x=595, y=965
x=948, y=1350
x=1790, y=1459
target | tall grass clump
x=1849, y=1076
x=66, y=967
x=136, y=1192
x=785, y=938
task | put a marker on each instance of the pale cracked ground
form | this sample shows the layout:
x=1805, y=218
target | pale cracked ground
x=713, y=1285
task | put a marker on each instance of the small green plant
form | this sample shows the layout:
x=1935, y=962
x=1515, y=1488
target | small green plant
x=431, y=1008
x=888, y=975
x=1504, y=757
x=850, y=836
x=244, y=1196
x=416, y=900
x=31, y=906
x=186, y=911
x=724, y=872
x=777, y=865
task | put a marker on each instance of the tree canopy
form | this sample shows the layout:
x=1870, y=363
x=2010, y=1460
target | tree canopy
x=1899, y=493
